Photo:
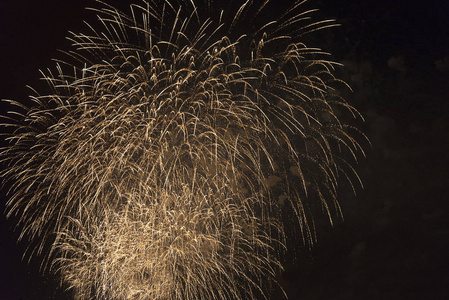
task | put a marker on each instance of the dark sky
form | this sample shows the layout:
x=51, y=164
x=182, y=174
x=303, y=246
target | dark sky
x=393, y=243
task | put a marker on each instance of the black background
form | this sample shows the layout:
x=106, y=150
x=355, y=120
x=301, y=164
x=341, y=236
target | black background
x=394, y=241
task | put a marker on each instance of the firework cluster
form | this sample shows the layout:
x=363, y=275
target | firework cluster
x=170, y=146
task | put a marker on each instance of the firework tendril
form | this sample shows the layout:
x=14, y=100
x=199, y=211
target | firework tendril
x=170, y=145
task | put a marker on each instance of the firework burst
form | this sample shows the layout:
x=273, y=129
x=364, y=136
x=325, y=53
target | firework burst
x=173, y=140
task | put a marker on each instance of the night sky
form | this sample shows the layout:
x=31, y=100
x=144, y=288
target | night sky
x=394, y=241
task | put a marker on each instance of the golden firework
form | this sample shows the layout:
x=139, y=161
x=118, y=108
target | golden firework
x=170, y=144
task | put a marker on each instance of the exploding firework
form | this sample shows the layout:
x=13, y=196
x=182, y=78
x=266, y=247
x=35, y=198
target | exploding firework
x=172, y=143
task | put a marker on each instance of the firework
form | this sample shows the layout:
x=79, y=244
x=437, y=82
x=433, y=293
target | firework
x=172, y=142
